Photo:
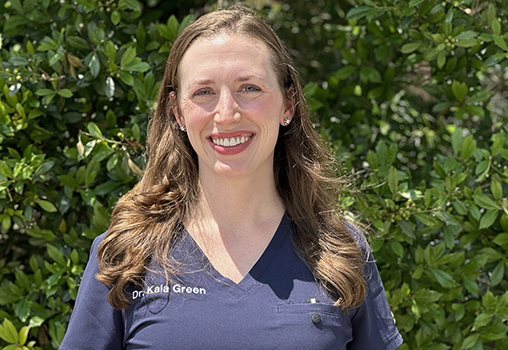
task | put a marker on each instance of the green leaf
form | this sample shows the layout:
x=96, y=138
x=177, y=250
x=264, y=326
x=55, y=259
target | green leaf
x=136, y=132
x=459, y=90
x=45, y=92
x=8, y=332
x=470, y=341
x=497, y=274
x=22, y=309
x=414, y=3
x=479, y=96
x=345, y=72
x=501, y=239
x=426, y=296
x=441, y=59
x=127, y=78
x=130, y=4
x=106, y=188
x=467, y=43
x=138, y=67
x=393, y=180
x=94, y=65
x=55, y=255
x=459, y=207
x=426, y=219
x=488, y=218
x=397, y=248
x=5, y=169
x=47, y=206
x=372, y=159
x=360, y=12
x=468, y=34
x=92, y=170
x=115, y=17
x=23, y=335
x=382, y=153
x=370, y=74
x=470, y=285
x=74, y=257
x=457, y=140
x=500, y=42
x=14, y=22
x=172, y=27
x=484, y=201
x=468, y=147
x=442, y=106
x=78, y=43
x=496, y=189
x=128, y=56
x=443, y=278
x=411, y=47
x=496, y=26
x=94, y=130
x=185, y=22
x=112, y=161
x=407, y=229
x=65, y=93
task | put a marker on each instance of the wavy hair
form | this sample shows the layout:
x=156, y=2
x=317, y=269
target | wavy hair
x=147, y=221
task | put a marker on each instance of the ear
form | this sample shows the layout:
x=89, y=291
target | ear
x=173, y=101
x=289, y=110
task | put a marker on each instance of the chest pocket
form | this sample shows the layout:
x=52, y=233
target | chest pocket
x=317, y=326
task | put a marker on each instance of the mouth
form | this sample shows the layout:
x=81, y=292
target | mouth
x=231, y=141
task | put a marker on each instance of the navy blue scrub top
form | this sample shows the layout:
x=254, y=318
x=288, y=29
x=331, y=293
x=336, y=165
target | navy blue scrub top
x=278, y=305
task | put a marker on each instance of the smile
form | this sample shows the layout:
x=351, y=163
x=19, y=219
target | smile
x=230, y=142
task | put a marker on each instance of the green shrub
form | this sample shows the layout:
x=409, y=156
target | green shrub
x=417, y=111
x=422, y=125
x=78, y=81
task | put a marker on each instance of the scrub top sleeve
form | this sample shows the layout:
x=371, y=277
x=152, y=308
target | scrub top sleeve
x=373, y=325
x=94, y=323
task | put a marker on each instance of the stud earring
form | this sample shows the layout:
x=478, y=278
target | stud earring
x=183, y=128
x=287, y=120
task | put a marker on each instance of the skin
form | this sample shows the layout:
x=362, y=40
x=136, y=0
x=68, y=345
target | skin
x=229, y=89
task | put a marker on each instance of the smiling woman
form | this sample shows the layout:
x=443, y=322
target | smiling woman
x=229, y=91
x=238, y=200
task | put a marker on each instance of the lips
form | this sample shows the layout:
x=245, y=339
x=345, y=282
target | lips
x=230, y=143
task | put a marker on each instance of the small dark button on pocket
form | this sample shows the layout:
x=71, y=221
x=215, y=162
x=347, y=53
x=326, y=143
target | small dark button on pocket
x=316, y=318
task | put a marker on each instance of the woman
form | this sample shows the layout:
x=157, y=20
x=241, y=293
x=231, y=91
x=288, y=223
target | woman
x=232, y=239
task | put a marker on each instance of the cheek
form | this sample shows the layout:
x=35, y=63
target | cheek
x=192, y=113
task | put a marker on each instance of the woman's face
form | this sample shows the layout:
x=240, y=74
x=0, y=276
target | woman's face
x=232, y=105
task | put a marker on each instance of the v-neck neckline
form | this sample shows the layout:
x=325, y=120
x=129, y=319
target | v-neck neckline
x=257, y=270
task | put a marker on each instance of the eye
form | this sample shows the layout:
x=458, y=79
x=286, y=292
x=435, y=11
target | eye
x=203, y=92
x=250, y=88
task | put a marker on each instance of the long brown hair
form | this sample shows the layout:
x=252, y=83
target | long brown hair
x=148, y=219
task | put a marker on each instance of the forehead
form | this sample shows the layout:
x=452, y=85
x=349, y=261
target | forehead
x=223, y=53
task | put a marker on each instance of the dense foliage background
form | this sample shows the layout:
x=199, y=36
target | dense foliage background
x=412, y=96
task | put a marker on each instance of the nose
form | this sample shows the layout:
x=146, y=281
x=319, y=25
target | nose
x=227, y=110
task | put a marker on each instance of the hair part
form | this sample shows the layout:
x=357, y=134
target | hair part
x=147, y=221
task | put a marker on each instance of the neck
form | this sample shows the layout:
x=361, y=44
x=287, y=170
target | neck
x=232, y=205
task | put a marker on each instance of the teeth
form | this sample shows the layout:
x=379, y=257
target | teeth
x=231, y=142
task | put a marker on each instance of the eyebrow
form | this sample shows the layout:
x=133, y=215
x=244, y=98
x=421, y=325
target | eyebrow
x=247, y=77
x=241, y=78
x=202, y=82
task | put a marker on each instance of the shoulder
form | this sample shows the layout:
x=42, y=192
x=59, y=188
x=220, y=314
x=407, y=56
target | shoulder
x=95, y=246
x=98, y=240
x=359, y=237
